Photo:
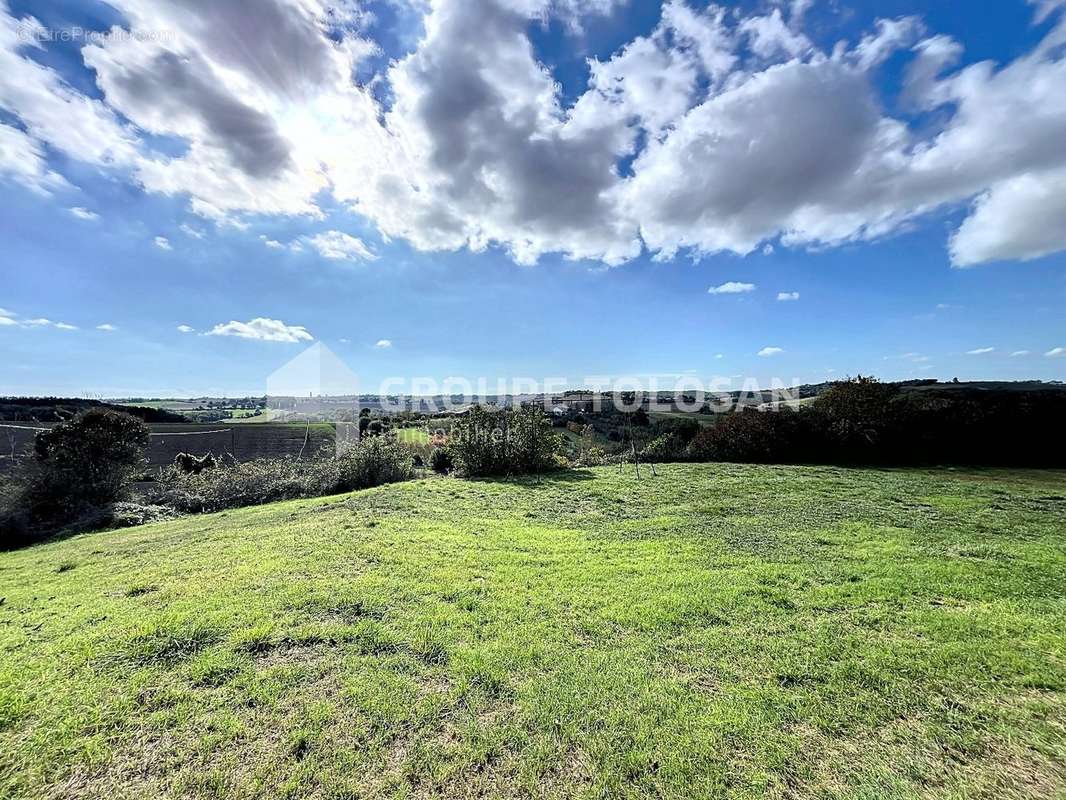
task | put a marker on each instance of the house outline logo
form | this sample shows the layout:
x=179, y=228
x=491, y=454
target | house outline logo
x=316, y=386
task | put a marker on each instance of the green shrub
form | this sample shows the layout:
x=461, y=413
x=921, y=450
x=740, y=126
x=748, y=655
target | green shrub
x=374, y=462
x=370, y=462
x=510, y=442
x=78, y=469
x=442, y=460
x=665, y=448
x=86, y=462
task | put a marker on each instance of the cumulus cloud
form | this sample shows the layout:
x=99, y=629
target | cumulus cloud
x=383, y=344
x=1019, y=353
x=263, y=329
x=732, y=287
x=1056, y=352
x=163, y=243
x=767, y=352
x=186, y=329
x=716, y=131
x=106, y=326
x=1018, y=219
x=980, y=351
x=84, y=213
x=786, y=297
x=6, y=320
x=338, y=246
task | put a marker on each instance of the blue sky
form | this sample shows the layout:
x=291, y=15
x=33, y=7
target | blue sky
x=900, y=274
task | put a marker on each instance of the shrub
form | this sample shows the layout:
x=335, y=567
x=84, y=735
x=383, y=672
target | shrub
x=86, y=462
x=510, y=442
x=373, y=462
x=370, y=462
x=442, y=460
x=668, y=447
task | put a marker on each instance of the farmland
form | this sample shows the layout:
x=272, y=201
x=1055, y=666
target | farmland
x=717, y=631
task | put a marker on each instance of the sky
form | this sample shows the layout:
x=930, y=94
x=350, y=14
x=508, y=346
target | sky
x=195, y=192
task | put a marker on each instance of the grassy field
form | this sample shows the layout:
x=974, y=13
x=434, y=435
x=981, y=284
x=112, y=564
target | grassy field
x=717, y=631
x=412, y=435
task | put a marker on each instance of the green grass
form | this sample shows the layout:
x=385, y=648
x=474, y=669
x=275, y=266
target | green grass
x=717, y=631
x=412, y=435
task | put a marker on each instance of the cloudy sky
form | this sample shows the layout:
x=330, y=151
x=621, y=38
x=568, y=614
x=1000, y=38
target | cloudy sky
x=196, y=190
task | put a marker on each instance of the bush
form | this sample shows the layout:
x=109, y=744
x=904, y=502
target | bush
x=863, y=421
x=374, y=462
x=370, y=462
x=86, y=462
x=510, y=442
x=78, y=467
x=665, y=448
x=442, y=460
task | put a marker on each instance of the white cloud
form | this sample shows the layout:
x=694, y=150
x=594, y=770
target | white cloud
x=189, y=230
x=1055, y=352
x=163, y=243
x=263, y=329
x=22, y=160
x=383, y=344
x=980, y=351
x=785, y=297
x=39, y=322
x=1018, y=219
x=1019, y=353
x=274, y=244
x=107, y=326
x=4, y=321
x=186, y=329
x=732, y=287
x=338, y=246
x=734, y=129
x=766, y=352
x=84, y=213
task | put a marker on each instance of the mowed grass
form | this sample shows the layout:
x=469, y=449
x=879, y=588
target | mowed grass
x=715, y=631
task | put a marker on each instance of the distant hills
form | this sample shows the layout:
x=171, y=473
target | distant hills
x=57, y=409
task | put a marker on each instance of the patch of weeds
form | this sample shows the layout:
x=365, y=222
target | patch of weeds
x=256, y=639
x=141, y=589
x=12, y=709
x=370, y=639
x=214, y=667
x=66, y=566
x=299, y=744
x=170, y=641
x=428, y=644
x=478, y=670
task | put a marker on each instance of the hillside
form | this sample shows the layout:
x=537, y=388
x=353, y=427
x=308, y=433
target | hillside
x=716, y=631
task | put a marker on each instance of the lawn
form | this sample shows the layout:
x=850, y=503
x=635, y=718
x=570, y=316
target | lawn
x=716, y=631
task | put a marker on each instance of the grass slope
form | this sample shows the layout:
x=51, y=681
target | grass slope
x=717, y=631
